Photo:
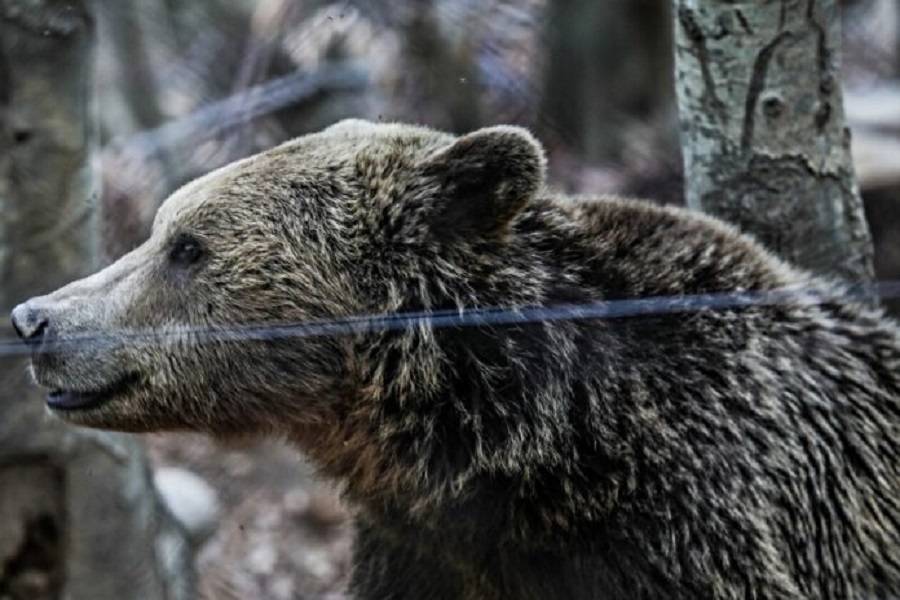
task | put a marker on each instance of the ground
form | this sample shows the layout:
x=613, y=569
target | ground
x=282, y=535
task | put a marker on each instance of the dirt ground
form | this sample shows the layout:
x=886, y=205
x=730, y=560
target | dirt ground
x=282, y=534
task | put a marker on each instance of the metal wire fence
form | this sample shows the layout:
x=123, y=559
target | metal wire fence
x=492, y=316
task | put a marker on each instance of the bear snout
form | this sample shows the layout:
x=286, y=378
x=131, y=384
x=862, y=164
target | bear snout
x=68, y=352
x=30, y=323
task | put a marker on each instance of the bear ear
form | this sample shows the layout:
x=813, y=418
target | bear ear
x=484, y=180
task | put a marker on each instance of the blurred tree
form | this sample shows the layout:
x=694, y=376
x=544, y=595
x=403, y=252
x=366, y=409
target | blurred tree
x=79, y=517
x=764, y=140
x=608, y=63
x=896, y=42
x=442, y=80
x=134, y=33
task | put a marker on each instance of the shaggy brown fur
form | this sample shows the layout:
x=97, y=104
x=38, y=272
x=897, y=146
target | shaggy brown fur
x=726, y=452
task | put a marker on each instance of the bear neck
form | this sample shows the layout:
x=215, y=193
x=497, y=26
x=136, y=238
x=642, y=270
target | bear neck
x=448, y=414
x=444, y=416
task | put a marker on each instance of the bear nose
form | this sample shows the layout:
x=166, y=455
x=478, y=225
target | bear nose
x=30, y=323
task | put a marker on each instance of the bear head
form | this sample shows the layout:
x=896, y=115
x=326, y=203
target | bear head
x=242, y=311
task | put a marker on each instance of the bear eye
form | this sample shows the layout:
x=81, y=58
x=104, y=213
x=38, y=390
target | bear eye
x=186, y=251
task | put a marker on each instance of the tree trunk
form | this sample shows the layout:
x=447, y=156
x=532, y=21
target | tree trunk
x=762, y=119
x=79, y=517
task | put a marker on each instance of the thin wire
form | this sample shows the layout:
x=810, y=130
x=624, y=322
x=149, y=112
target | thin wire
x=461, y=317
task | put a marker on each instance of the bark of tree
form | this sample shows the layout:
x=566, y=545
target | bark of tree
x=79, y=517
x=763, y=132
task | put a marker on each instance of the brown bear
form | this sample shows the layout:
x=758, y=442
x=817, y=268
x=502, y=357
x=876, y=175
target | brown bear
x=525, y=396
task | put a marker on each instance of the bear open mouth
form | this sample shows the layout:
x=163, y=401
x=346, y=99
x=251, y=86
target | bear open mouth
x=70, y=400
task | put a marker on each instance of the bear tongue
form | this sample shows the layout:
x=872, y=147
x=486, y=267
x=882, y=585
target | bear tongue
x=70, y=400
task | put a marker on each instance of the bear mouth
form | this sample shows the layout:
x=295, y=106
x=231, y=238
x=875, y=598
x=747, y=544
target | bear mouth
x=68, y=400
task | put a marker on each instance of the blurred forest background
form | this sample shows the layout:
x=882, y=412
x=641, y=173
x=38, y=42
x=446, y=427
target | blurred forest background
x=183, y=87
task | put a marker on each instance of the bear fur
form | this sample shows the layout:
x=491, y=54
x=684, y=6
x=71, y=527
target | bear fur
x=705, y=450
